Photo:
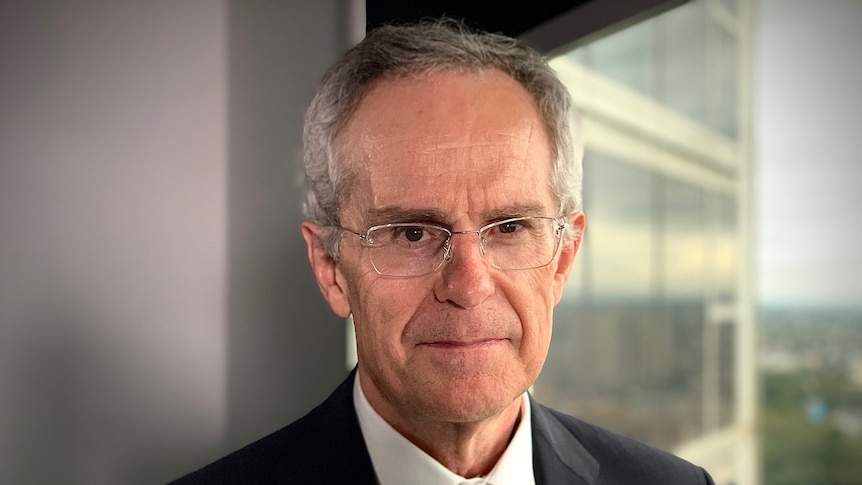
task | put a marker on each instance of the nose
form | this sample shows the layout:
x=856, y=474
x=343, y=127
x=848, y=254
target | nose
x=466, y=279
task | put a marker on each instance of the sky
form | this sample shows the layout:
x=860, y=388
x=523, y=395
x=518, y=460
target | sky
x=808, y=120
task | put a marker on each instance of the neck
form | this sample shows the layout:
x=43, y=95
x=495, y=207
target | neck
x=469, y=449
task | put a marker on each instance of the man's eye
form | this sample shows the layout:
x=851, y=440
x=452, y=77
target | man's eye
x=413, y=234
x=509, y=227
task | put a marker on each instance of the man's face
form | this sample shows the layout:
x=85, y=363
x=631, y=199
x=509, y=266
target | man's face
x=457, y=150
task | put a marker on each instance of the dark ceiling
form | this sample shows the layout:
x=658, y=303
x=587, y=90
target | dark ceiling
x=547, y=25
x=510, y=18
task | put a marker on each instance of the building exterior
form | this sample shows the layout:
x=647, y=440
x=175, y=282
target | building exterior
x=656, y=333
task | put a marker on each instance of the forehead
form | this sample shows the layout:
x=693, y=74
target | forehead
x=450, y=140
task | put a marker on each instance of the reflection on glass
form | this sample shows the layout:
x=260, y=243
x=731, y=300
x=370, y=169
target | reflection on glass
x=684, y=59
x=635, y=347
x=683, y=69
x=684, y=249
x=726, y=84
x=621, y=229
x=626, y=56
x=732, y=6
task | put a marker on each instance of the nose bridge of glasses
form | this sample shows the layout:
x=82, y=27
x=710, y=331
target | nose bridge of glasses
x=477, y=232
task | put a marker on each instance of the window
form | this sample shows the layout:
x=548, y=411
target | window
x=654, y=335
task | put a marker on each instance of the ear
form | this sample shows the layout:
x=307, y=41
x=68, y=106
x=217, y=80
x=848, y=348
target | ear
x=577, y=222
x=326, y=271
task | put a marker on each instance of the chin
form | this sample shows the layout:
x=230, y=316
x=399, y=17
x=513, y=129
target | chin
x=468, y=399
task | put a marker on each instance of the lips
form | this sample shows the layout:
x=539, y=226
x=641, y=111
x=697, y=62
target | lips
x=461, y=344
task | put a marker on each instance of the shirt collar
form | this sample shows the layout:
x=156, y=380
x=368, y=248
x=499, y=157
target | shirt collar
x=396, y=460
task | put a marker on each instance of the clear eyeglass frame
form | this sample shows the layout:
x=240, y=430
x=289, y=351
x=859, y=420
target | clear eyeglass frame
x=518, y=243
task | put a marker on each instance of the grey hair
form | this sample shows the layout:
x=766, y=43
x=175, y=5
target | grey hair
x=417, y=50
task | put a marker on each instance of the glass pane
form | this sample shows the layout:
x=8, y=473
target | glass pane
x=683, y=59
x=634, y=347
x=589, y=366
x=726, y=84
x=620, y=228
x=723, y=248
x=684, y=242
x=626, y=56
x=682, y=74
x=731, y=5
x=721, y=269
x=681, y=304
x=727, y=376
x=645, y=337
x=580, y=55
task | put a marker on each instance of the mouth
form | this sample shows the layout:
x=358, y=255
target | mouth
x=461, y=344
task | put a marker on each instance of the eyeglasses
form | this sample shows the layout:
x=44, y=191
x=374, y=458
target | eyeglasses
x=414, y=249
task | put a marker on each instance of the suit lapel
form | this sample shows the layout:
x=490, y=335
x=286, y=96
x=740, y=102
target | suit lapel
x=558, y=457
x=340, y=454
x=337, y=446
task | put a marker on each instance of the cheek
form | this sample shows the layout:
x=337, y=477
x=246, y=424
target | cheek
x=383, y=308
x=533, y=300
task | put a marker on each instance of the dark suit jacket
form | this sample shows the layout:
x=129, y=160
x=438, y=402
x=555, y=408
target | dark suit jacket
x=326, y=447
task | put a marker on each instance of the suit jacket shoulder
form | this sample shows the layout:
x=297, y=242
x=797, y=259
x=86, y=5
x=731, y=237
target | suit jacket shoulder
x=566, y=448
x=324, y=446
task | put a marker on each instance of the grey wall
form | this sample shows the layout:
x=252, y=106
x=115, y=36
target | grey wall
x=285, y=348
x=156, y=309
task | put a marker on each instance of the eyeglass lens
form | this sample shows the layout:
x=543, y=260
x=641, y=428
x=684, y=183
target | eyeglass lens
x=418, y=249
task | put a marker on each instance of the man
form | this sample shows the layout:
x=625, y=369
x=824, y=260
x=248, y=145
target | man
x=444, y=215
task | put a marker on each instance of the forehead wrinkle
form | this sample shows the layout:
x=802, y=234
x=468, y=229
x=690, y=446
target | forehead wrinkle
x=433, y=147
x=522, y=130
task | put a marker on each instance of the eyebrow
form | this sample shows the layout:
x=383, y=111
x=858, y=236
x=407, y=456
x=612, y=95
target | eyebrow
x=517, y=210
x=396, y=214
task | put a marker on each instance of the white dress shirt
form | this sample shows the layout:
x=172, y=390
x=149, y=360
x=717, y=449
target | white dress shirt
x=397, y=461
